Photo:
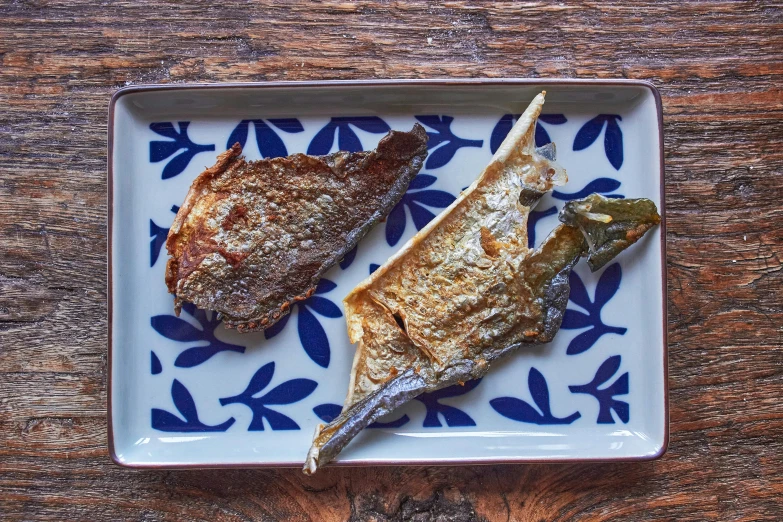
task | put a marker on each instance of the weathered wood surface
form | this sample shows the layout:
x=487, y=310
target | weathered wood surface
x=720, y=71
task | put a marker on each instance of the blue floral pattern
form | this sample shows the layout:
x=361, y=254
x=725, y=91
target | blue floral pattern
x=286, y=393
x=155, y=366
x=178, y=140
x=506, y=122
x=348, y=258
x=607, y=286
x=311, y=333
x=605, y=396
x=158, y=237
x=163, y=420
x=519, y=410
x=599, y=185
x=269, y=143
x=416, y=199
x=178, y=329
x=443, y=143
x=347, y=140
x=454, y=417
x=613, y=137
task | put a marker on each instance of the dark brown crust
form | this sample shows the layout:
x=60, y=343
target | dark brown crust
x=277, y=225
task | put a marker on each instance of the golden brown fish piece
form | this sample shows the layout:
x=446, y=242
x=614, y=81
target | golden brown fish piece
x=466, y=289
x=252, y=238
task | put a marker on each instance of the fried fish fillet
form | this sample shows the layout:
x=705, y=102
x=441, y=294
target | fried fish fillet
x=254, y=237
x=467, y=290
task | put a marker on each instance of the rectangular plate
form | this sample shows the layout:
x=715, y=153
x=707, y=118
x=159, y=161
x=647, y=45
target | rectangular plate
x=598, y=392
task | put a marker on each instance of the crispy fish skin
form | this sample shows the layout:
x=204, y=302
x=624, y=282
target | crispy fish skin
x=466, y=290
x=252, y=238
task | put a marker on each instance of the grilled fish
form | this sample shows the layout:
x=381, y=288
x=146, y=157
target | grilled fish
x=467, y=290
x=252, y=238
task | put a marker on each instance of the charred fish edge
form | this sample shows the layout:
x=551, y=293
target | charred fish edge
x=226, y=161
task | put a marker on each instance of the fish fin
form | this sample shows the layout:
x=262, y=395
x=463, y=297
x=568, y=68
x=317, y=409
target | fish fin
x=332, y=438
x=380, y=356
x=609, y=225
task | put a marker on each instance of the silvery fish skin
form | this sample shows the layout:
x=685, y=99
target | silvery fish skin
x=467, y=290
x=254, y=237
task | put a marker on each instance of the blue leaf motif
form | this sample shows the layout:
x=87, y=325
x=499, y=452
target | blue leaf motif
x=607, y=286
x=421, y=216
x=433, y=198
x=289, y=125
x=311, y=334
x=613, y=142
x=371, y=124
x=415, y=199
x=239, y=134
x=158, y=237
x=605, y=396
x=321, y=144
x=313, y=337
x=324, y=307
x=576, y=319
x=506, y=122
x=422, y=181
x=288, y=392
x=542, y=136
x=613, y=138
x=260, y=379
x=346, y=261
x=533, y=218
x=277, y=327
x=155, y=366
x=277, y=421
x=374, y=267
x=501, y=130
x=598, y=185
x=324, y=286
x=519, y=410
x=552, y=119
x=328, y=412
x=589, y=132
x=347, y=139
x=163, y=420
x=443, y=143
x=180, y=330
x=395, y=224
x=178, y=140
x=453, y=416
x=175, y=328
x=270, y=145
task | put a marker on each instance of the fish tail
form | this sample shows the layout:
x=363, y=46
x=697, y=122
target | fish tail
x=329, y=440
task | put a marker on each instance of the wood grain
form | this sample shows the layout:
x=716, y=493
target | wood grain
x=719, y=68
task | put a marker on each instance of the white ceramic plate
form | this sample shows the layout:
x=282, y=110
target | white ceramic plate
x=182, y=390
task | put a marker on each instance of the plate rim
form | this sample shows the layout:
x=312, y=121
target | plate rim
x=378, y=82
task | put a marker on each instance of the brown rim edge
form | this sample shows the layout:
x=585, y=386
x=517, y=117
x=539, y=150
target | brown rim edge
x=374, y=83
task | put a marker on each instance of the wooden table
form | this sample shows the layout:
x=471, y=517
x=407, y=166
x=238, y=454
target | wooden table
x=719, y=67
